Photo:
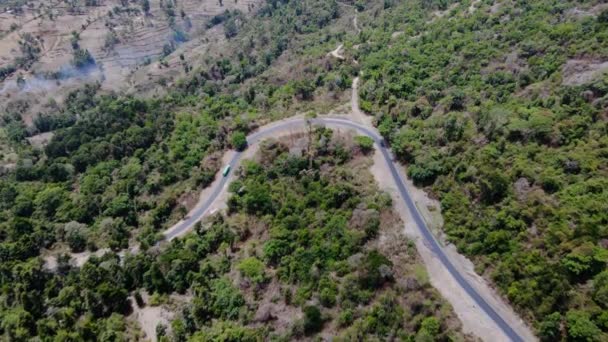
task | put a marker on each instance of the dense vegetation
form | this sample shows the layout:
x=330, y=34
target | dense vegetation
x=479, y=104
x=489, y=103
x=300, y=242
x=120, y=169
x=314, y=256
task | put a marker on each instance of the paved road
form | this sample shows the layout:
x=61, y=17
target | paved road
x=433, y=244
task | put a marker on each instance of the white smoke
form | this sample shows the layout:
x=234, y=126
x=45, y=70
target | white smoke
x=42, y=83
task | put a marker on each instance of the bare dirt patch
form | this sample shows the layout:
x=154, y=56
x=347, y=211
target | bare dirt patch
x=473, y=6
x=148, y=317
x=579, y=71
x=441, y=14
x=273, y=312
x=336, y=53
x=582, y=12
x=40, y=140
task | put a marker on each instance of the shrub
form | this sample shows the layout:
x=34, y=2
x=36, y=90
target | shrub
x=313, y=322
x=253, y=269
x=366, y=144
x=239, y=141
x=580, y=327
x=82, y=58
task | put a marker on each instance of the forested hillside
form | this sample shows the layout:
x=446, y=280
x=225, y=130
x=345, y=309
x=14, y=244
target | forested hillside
x=298, y=255
x=119, y=169
x=500, y=109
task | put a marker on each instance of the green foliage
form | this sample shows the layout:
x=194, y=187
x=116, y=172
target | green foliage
x=509, y=146
x=549, y=329
x=229, y=332
x=239, y=141
x=313, y=321
x=600, y=289
x=580, y=327
x=365, y=143
x=430, y=326
x=145, y=6
x=226, y=301
x=376, y=270
x=253, y=269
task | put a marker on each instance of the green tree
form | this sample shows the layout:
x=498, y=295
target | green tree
x=313, y=321
x=49, y=200
x=239, y=141
x=550, y=328
x=600, y=289
x=253, y=269
x=580, y=327
x=366, y=144
x=82, y=58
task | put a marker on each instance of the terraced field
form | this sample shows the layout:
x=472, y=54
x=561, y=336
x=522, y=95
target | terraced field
x=124, y=41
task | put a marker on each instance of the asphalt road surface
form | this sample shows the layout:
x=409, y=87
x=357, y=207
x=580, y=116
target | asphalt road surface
x=433, y=244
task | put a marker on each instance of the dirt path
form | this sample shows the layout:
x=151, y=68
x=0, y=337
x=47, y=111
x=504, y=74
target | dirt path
x=336, y=52
x=356, y=114
x=356, y=24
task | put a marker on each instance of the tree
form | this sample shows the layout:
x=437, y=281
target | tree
x=82, y=58
x=457, y=100
x=226, y=301
x=239, y=141
x=253, y=269
x=76, y=236
x=603, y=17
x=303, y=89
x=429, y=329
x=494, y=186
x=580, y=327
x=145, y=6
x=550, y=328
x=230, y=28
x=376, y=270
x=49, y=200
x=155, y=281
x=600, y=289
x=366, y=144
x=313, y=320
x=310, y=117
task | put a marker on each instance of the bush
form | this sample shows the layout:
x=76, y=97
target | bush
x=253, y=269
x=346, y=318
x=600, y=289
x=431, y=326
x=366, y=144
x=313, y=322
x=580, y=327
x=239, y=141
x=82, y=58
x=376, y=270
x=328, y=297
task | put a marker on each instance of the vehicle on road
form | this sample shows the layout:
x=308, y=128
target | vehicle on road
x=226, y=170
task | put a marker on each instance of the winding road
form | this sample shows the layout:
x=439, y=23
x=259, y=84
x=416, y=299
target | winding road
x=198, y=213
x=519, y=333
